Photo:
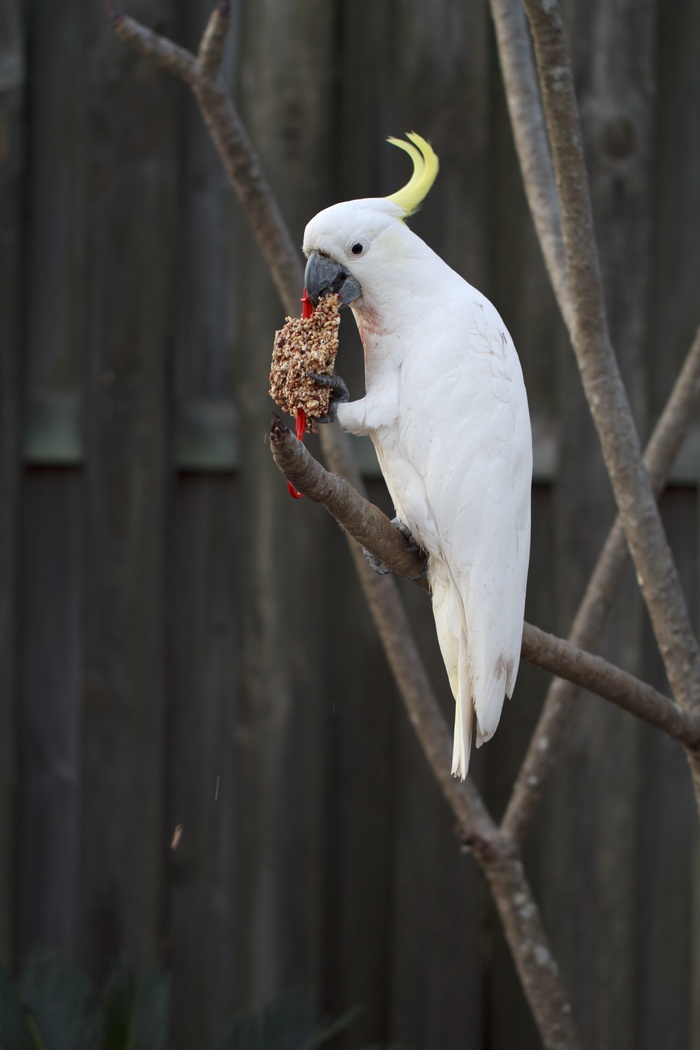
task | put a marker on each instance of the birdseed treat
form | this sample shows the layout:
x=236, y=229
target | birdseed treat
x=306, y=344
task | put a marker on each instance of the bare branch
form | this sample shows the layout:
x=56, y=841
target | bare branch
x=370, y=527
x=523, y=98
x=540, y=760
x=244, y=170
x=373, y=530
x=211, y=49
x=612, y=683
x=605, y=391
x=231, y=139
x=531, y=144
x=536, y=966
x=177, y=60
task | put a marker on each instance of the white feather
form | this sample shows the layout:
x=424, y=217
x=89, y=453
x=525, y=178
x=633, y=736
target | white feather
x=446, y=408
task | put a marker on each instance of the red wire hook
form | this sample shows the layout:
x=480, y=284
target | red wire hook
x=307, y=309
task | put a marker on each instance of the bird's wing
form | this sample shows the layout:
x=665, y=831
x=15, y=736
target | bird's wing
x=465, y=431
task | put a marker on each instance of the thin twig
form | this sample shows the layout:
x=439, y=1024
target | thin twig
x=607, y=399
x=170, y=56
x=243, y=168
x=211, y=49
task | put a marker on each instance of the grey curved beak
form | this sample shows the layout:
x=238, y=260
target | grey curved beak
x=324, y=275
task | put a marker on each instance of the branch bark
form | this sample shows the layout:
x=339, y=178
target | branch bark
x=370, y=528
x=547, y=741
x=603, y=385
x=531, y=143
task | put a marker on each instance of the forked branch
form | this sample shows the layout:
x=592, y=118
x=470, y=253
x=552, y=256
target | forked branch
x=678, y=416
x=605, y=392
x=532, y=146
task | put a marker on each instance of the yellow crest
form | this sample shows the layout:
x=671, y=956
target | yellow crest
x=425, y=169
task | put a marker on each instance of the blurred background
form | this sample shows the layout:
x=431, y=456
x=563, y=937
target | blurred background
x=181, y=644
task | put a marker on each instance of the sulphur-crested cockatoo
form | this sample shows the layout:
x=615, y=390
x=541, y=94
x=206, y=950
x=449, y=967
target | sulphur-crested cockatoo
x=446, y=408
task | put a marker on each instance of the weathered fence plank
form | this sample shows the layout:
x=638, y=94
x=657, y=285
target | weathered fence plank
x=12, y=140
x=132, y=226
x=204, y=596
x=50, y=733
x=284, y=81
x=201, y=799
x=51, y=643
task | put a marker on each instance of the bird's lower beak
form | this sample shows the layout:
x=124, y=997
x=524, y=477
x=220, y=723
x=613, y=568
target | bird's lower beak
x=324, y=275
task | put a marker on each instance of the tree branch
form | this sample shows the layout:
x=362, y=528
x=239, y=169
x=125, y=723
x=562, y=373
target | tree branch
x=547, y=741
x=166, y=54
x=612, y=683
x=531, y=143
x=527, y=119
x=366, y=524
x=605, y=391
x=243, y=167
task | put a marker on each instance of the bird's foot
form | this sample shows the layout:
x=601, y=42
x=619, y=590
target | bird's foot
x=379, y=566
x=339, y=395
x=407, y=534
x=375, y=563
x=413, y=545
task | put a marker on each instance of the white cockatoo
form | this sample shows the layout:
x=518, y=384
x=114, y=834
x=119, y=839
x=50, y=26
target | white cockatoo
x=446, y=408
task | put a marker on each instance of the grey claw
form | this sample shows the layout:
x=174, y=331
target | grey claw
x=407, y=534
x=375, y=564
x=414, y=545
x=340, y=394
x=422, y=574
x=379, y=566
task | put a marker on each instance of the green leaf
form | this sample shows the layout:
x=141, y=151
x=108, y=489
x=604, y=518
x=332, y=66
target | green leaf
x=14, y=1032
x=56, y=992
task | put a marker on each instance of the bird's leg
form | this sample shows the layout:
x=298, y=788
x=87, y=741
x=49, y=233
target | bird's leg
x=382, y=569
x=339, y=395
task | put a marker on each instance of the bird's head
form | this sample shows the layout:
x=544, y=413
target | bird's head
x=351, y=246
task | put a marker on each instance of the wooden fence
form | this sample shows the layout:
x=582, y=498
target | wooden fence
x=181, y=644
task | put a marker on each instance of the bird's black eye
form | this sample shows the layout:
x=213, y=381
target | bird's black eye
x=357, y=246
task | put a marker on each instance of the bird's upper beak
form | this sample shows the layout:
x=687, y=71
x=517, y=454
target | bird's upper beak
x=324, y=275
